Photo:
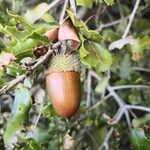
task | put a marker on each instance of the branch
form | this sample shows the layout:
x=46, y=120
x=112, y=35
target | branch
x=131, y=18
x=120, y=102
x=130, y=86
x=63, y=11
x=105, y=142
x=99, y=102
x=89, y=81
x=73, y=6
x=21, y=78
x=110, y=24
x=141, y=69
x=138, y=108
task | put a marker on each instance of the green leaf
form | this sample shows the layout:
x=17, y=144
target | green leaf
x=83, y=29
x=86, y=3
x=76, y=22
x=102, y=84
x=94, y=55
x=20, y=114
x=23, y=48
x=14, y=69
x=22, y=20
x=48, y=110
x=3, y=17
x=90, y=34
x=138, y=48
x=135, y=97
x=32, y=144
x=139, y=140
x=39, y=37
x=2, y=45
x=22, y=102
x=2, y=79
x=110, y=35
x=23, y=35
x=125, y=67
x=109, y=2
x=14, y=32
x=137, y=122
x=48, y=18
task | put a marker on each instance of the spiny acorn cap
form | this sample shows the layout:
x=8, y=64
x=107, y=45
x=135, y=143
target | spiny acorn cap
x=64, y=63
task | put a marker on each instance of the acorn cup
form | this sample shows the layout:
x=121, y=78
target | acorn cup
x=63, y=84
x=68, y=32
x=65, y=32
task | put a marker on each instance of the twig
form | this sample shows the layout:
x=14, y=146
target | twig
x=138, y=108
x=121, y=104
x=130, y=86
x=141, y=69
x=99, y=103
x=81, y=12
x=19, y=79
x=110, y=24
x=63, y=11
x=131, y=18
x=73, y=6
x=13, y=5
x=117, y=116
x=105, y=142
x=127, y=115
x=89, y=81
x=115, y=95
x=37, y=119
x=117, y=98
x=11, y=84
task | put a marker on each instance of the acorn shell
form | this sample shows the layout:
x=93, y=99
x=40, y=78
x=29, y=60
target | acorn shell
x=64, y=92
x=52, y=34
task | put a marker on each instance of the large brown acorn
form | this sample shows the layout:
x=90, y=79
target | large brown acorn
x=63, y=84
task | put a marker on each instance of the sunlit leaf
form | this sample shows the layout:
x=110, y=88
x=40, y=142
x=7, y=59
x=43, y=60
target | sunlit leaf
x=83, y=29
x=23, y=35
x=94, y=55
x=110, y=35
x=109, y=2
x=48, y=110
x=2, y=79
x=14, y=69
x=21, y=20
x=31, y=144
x=14, y=32
x=22, y=49
x=138, y=48
x=86, y=3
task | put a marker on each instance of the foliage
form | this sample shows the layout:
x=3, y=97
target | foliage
x=28, y=119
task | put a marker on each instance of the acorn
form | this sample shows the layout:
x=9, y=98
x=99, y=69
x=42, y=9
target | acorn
x=63, y=84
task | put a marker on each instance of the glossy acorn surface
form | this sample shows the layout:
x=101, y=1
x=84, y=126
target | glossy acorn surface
x=64, y=91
